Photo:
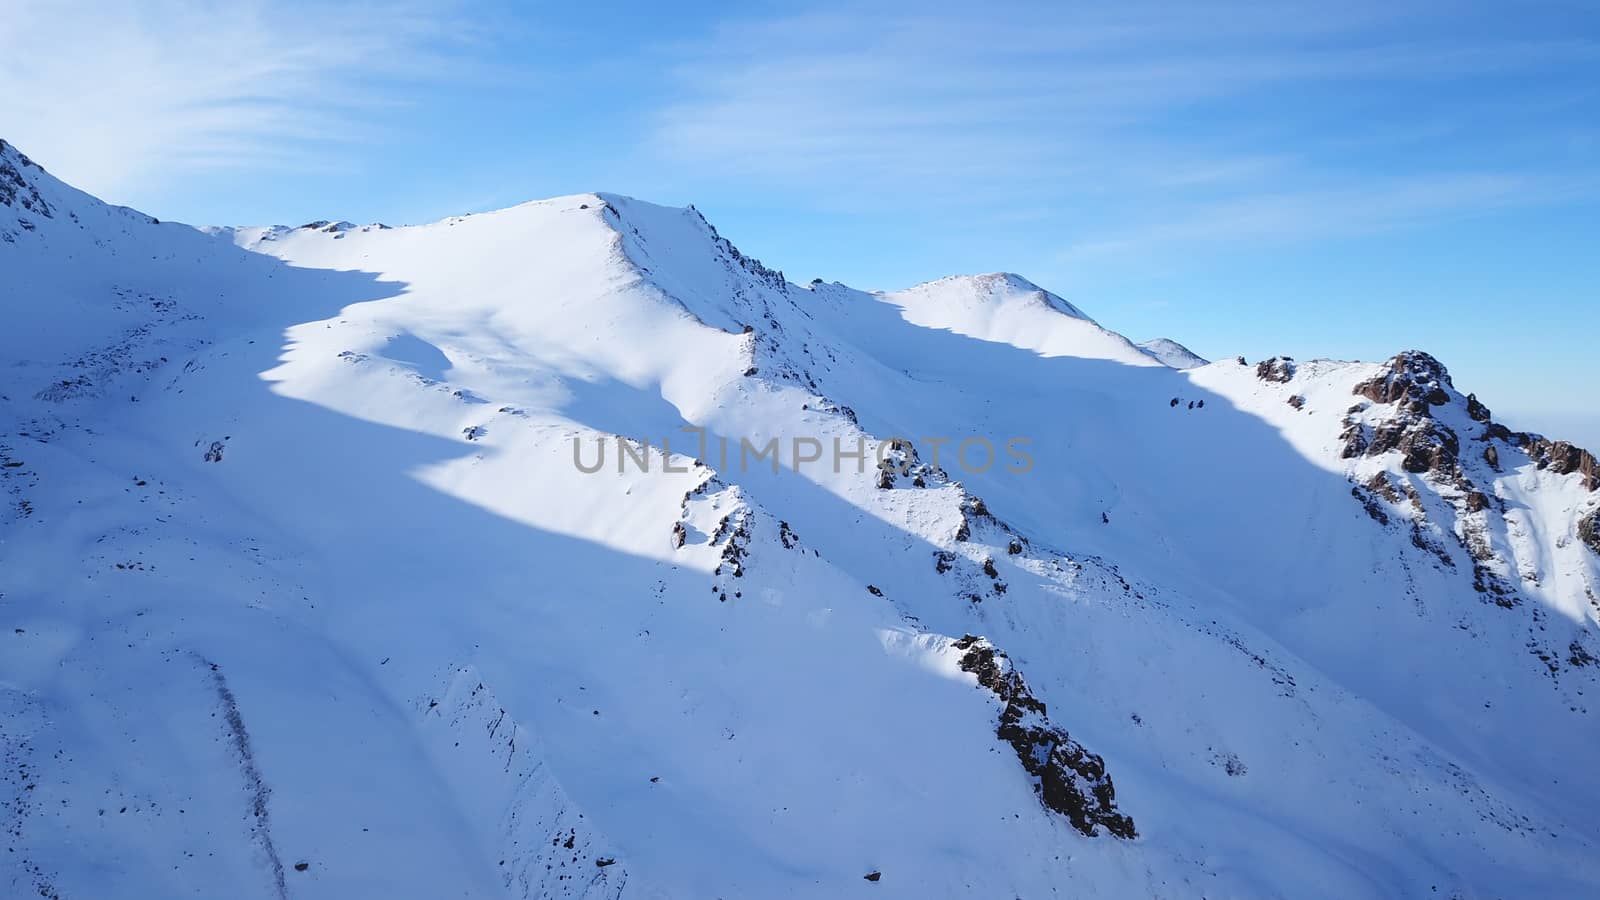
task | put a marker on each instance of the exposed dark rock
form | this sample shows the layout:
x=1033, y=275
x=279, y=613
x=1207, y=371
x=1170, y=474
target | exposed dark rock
x=1383, y=487
x=1423, y=541
x=1415, y=497
x=1298, y=401
x=772, y=277
x=874, y=590
x=1493, y=587
x=971, y=508
x=737, y=534
x=1425, y=444
x=15, y=188
x=1579, y=656
x=1230, y=763
x=1374, y=510
x=1563, y=458
x=1069, y=779
x=679, y=535
x=1497, y=431
x=1429, y=446
x=989, y=569
x=1589, y=530
x=873, y=876
x=1279, y=369
x=1354, y=438
x=1413, y=378
x=1492, y=457
x=943, y=561
x=1477, y=410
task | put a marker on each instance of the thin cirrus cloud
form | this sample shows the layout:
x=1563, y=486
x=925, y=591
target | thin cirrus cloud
x=118, y=93
x=1207, y=122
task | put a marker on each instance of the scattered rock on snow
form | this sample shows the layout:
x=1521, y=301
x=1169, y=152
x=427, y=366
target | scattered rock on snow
x=1070, y=780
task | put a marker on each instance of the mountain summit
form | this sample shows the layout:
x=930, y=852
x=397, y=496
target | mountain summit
x=567, y=551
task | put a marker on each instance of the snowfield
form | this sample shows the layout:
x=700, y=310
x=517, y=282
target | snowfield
x=303, y=592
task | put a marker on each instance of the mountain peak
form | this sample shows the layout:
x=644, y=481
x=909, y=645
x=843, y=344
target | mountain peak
x=1220, y=598
x=995, y=288
x=1173, y=354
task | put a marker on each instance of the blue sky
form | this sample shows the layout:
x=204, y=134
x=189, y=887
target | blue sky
x=1314, y=179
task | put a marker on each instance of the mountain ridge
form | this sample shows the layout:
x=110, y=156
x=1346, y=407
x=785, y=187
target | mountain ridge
x=339, y=475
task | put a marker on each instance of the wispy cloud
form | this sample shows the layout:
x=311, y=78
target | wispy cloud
x=117, y=92
x=1156, y=126
x=1375, y=205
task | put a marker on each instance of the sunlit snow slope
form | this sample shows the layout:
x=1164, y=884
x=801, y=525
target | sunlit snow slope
x=305, y=593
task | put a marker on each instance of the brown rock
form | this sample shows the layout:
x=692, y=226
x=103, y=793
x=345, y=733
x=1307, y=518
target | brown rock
x=1589, y=531
x=1071, y=780
x=1477, y=410
x=1563, y=458
x=1279, y=369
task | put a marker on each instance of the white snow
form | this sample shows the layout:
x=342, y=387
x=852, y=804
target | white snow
x=323, y=480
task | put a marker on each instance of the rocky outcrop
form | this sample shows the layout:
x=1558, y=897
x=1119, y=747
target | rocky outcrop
x=1279, y=369
x=1477, y=410
x=1418, y=383
x=1353, y=439
x=15, y=188
x=1562, y=458
x=1068, y=778
x=1413, y=378
x=1589, y=530
x=1415, y=383
x=1413, y=387
x=1425, y=444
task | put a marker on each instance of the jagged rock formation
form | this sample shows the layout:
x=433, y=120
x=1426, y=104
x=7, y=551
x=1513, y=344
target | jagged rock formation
x=1069, y=779
x=16, y=189
x=1561, y=458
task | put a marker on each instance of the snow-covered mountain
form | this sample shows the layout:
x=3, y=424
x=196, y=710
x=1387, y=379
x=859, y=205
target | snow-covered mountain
x=1172, y=353
x=306, y=590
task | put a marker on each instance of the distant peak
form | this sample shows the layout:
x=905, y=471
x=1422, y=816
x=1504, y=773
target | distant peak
x=1173, y=354
x=995, y=287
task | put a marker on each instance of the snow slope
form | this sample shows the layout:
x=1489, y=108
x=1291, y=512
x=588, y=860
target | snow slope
x=305, y=591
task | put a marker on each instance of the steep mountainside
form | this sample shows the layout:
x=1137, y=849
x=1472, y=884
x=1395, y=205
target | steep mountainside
x=547, y=553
